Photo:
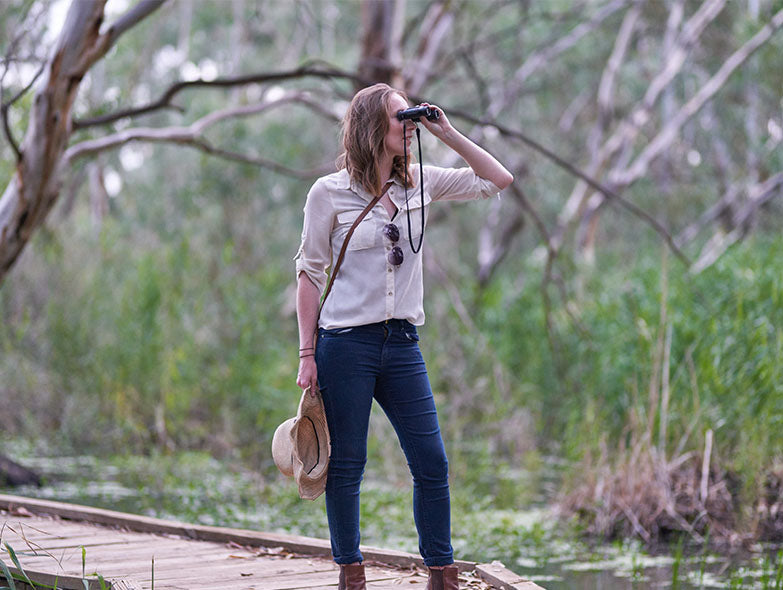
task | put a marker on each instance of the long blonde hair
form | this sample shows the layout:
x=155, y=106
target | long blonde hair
x=365, y=125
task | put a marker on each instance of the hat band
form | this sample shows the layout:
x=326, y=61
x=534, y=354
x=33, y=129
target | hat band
x=317, y=445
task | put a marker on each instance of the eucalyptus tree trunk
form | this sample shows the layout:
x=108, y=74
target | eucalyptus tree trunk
x=37, y=182
x=382, y=24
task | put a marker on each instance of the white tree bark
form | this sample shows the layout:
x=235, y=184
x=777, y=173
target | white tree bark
x=35, y=187
x=670, y=130
x=629, y=128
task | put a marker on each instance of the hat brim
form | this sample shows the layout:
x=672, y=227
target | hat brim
x=282, y=448
x=301, y=446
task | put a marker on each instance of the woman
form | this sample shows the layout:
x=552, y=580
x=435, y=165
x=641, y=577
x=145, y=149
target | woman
x=367, y=344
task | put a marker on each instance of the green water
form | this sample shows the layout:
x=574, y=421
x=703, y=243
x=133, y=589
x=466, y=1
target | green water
x=197, y=488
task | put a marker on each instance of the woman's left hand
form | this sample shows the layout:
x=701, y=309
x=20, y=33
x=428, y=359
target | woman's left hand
x=480, y=160
x=440, y=127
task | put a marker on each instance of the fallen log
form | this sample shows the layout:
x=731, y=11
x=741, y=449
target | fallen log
x=12, y=474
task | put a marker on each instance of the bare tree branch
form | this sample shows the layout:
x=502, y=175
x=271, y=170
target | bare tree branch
x=598, y=186
x=308, y=173
x=669, y=132
x=759, y=194
x=607, y=85
x=623, y=176
x=543, y=56
x=165, y=101
x=630, y=126
x=107, y=40
x=6, y=105
x=675, y=58
x=520, y=196
x=707, y=217
x=494, y=240
x=35, y=187
x=191, y=136
x=502, y=246
x=434, y=29
x=327, y=71
x=131, y=18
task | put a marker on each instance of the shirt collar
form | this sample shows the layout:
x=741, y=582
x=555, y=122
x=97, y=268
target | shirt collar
x=344, y=181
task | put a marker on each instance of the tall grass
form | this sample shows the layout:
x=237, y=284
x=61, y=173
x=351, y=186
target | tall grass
x=669, y=393
x=649, y=374
x=155, y=348
x=186, y=342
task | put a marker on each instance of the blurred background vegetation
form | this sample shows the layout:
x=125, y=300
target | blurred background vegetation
x=153, y=311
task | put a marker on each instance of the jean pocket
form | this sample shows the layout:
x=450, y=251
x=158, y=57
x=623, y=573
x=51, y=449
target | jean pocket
x=412, y=336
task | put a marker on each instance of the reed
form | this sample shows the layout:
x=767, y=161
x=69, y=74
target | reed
x=661, y=389
x=683, y=442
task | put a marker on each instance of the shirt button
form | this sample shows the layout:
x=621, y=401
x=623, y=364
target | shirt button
x=390, y=293
x=388, y=270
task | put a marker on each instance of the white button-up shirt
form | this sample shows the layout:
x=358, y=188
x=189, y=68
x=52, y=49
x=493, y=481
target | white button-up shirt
x=368, y=288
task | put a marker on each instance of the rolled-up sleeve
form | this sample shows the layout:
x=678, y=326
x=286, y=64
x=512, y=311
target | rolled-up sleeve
x=457, y=184
x=315, y=255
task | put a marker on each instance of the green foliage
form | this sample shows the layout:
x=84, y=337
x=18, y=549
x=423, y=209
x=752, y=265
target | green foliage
x=183, y=341
x=22, y=575
x=168, y=324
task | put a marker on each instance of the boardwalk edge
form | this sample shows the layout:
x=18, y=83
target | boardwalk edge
x=498, y=575
x=46, y=579
x=495, y=573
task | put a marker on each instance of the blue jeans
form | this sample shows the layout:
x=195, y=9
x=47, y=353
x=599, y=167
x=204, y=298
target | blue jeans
x=382, y=361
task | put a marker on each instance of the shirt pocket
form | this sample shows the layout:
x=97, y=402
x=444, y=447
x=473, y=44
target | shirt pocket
x=364, y=235
x=415, y=216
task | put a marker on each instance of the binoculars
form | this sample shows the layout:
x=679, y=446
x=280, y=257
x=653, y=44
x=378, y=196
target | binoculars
x=416, y=113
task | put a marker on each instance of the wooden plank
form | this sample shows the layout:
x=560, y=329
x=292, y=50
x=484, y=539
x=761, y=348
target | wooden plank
x=163, y=565
x=262, y=567
x=215, y=555
x=52, y=545
x=228, y=575
x=497, y=575
x=120, y=552
x=117, y=567
x=375, y=576
x=45, y=529
x=163, y=568
x=230, y=579
x=292, y=543
x=382, y=585
x=64, y=582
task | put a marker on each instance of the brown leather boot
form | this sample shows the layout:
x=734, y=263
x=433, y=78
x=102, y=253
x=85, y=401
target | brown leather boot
x=443, y=578
x=352, y=577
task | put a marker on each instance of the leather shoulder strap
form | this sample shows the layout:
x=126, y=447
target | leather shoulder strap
x=340, y=256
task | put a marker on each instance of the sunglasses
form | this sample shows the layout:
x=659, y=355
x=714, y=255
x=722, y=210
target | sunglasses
x=392, y=232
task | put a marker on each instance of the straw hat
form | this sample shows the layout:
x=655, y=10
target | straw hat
x=300, y=446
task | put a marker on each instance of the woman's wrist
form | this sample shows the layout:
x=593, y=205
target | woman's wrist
x=455, y=140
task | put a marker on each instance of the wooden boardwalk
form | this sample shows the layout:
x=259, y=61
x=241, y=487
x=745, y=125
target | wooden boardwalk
x=64, y=544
